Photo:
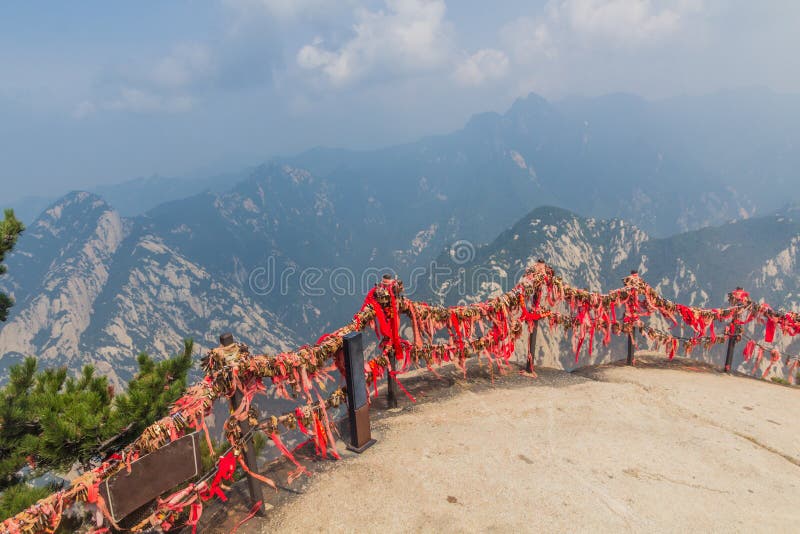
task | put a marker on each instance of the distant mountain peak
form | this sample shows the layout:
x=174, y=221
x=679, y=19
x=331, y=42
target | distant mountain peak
x=699, y=267
x=531, y=105
x=70, y=215
x=78, y=197
x=93, y=287
x=550, y=212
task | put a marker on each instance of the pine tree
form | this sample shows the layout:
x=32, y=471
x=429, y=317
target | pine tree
x=16, y=422
x=10, y=228
x=50, y=420
x=20, y=497
x=152, y=390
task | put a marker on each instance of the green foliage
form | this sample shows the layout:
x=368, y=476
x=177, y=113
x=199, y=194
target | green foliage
x=259, y=441
x=53, y=420
x=20, y=497
x=150, y=393
x=73, y=414
x=209, y=460
x=10, y=228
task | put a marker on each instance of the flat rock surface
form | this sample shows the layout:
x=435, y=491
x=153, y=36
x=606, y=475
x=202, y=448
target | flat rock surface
x=614, y=448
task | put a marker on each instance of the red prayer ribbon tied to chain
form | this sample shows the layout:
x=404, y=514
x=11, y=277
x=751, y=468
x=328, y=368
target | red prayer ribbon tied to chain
x=439, y=335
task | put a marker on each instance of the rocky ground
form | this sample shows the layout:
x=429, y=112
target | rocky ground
x=661, y=447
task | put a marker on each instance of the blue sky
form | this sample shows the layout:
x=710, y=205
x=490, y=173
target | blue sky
x=100, y=92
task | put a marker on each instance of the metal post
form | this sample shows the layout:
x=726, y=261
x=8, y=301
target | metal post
x=630, y=346
x=734, y=332
x=529, y=366
x=250, y=455
x=391, y=389
x=729, y=355
x=631, y=359
x=357, y=405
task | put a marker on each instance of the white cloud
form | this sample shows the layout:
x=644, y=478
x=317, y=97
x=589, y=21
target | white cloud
x=392, y=40
x=622, y=22
x=285, y=9
x=166, y=84
x=569, y=27
x=134, y=100
x=528, y=39
x=410, y=36
x=142, y=101
x=84, y=109
x=484, y=65
x=186, y=64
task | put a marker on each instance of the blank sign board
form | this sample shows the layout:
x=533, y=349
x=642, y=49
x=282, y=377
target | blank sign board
x=354, y=368
x=152, y=475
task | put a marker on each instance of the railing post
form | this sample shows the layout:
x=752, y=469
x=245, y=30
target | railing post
x=531, y=363
x=631, y=360
x=391, y=390
x=250, y=455
x=529, y=366
x=733, y=333
x=357, y=405
x=729, y=355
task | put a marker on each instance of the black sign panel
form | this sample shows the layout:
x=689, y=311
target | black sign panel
x=354, y=369
x=152, y=475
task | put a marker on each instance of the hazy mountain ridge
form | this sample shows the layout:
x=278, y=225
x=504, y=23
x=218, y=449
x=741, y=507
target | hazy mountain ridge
x=667, y=165
x=162, y=297
x=60, y=268
x=137, y=196
x=609, y=157
x=120, y=287
x=91, y=284
x=697, y=268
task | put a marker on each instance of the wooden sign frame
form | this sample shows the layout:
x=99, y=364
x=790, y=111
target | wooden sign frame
x=152, y=475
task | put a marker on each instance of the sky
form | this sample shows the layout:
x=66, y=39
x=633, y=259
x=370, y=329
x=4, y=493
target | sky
x=99, y=92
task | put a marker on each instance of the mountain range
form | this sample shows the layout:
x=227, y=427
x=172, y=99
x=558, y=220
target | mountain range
x=712, y=158
x=252, y=254
x=697, y=268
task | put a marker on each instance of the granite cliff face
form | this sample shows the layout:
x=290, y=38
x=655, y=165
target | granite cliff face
x=697, y=268
x=61, y=267
x=92, y=287
x=287, y=252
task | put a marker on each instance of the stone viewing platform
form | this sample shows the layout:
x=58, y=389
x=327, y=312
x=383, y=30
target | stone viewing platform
x=658, y=447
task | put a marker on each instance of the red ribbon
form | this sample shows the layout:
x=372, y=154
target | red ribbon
x=225, y=470
x=253, y=511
